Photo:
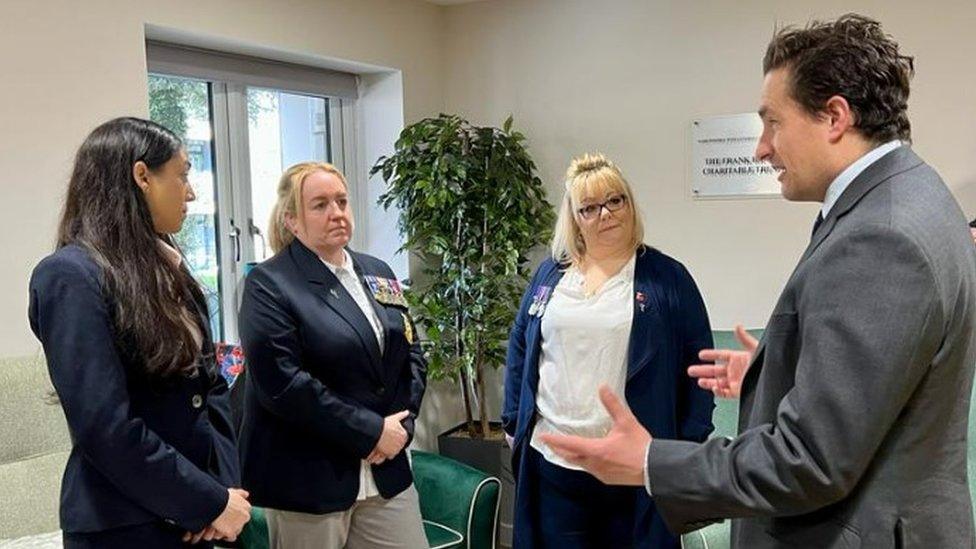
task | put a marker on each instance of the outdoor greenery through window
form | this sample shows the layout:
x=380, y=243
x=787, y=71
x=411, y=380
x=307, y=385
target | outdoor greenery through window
x=184, y=106
x=239, y=140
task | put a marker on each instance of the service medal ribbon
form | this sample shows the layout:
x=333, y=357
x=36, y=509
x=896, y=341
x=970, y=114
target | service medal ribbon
x=386, y=290
x=539, y=301
x=371, y=282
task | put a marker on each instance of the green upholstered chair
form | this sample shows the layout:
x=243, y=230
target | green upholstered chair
x=255, y=532
x=726, y=419
x=459, y=504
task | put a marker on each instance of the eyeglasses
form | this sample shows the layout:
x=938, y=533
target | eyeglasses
x=612, y=204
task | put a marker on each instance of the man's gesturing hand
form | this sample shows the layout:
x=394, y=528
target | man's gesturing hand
x=724, y=377
x=617, y=458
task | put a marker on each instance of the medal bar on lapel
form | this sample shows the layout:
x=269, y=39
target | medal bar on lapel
x=386, y=290
x=539, y=301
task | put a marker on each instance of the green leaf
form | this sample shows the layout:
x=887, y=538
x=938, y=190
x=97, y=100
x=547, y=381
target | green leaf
x=472, y=208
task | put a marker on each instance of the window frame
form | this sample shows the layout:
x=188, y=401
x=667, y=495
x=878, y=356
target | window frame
x=236, y=232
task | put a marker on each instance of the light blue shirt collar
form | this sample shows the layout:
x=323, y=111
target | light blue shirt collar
x=840, y=183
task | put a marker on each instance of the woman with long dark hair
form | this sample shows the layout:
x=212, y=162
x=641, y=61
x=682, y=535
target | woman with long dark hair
x=126, y=336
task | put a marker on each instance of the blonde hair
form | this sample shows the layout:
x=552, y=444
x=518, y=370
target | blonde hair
x=590, y=174
x=290, y=200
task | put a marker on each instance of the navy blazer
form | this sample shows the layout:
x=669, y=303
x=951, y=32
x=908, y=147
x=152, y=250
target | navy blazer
x=318, y=387
x=143, y=449
x=669, y=328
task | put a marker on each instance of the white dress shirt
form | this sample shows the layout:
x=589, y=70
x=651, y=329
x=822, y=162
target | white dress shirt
x=841, y=182
x=584, y=345
x=347, y=276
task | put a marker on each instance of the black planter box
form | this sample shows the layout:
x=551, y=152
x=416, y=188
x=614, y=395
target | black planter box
x=491, y=456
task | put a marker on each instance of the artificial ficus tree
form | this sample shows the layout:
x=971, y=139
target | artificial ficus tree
x=472, y=209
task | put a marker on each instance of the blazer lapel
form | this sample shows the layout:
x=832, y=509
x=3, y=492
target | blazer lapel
x=328, y=288
x=752, y=374
x=646, y=329
x=377, y=307
x=200, y=307
x=209, y=363
x=891, y=164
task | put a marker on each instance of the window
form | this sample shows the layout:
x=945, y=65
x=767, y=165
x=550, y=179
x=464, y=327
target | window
x=287, y=129
x=184, y=106
x=241, y=131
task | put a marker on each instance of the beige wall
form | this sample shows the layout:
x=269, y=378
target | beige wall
x=69, y=65
x=627, y=77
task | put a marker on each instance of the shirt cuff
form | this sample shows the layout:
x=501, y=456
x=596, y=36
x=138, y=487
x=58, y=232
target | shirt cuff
x=647, y=477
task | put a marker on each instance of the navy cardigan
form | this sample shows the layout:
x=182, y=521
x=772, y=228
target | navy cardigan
x=670, y=327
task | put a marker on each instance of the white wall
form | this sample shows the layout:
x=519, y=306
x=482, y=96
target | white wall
x=379, y=126
x=68, y=66
x=626, y=77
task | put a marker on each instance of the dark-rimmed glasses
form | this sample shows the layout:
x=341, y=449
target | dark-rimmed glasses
x=612, y=204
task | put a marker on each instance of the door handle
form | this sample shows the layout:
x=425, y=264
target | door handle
x=235, y=236
x=256, y=231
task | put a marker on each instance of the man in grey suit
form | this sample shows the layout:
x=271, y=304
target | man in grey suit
x=854, y=405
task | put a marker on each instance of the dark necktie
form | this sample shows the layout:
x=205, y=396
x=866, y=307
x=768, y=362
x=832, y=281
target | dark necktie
x=816, y=224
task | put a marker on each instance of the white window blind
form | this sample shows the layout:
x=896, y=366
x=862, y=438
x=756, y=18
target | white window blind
x=164, y=58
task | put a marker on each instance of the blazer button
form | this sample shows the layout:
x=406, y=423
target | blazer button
x=197, y=401
x=381, y=390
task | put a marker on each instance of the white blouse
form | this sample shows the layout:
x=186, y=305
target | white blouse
x=584, y=345
x=350, y=281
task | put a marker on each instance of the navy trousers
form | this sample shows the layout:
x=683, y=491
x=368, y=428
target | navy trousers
x=156, y=535
x=574, y=510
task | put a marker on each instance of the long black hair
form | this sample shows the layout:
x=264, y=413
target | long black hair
x=107, y=213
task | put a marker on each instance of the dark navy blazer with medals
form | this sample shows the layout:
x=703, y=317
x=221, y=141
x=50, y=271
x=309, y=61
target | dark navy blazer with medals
x=318, y=386
x=144, y=450
x=669, y=328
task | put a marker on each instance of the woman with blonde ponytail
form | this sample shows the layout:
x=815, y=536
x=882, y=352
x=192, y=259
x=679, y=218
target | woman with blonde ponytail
x=605, y=309
x=335, y=379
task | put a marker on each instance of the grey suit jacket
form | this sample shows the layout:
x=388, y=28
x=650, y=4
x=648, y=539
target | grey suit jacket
x=853, y=415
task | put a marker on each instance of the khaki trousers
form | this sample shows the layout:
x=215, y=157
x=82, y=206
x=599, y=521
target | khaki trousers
x=373, y=523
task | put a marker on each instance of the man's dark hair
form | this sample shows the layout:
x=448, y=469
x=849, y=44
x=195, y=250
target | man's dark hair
x=851, y=57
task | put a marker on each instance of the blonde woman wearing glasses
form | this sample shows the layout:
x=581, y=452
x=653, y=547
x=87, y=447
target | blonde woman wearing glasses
x=604, y=309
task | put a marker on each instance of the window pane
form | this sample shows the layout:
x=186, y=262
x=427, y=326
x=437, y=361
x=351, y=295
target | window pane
x=283, y=129
x=183, y=106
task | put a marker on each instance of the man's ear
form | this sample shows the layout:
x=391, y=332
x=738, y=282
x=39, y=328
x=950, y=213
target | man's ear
x=140, y=175
x=840, y=116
